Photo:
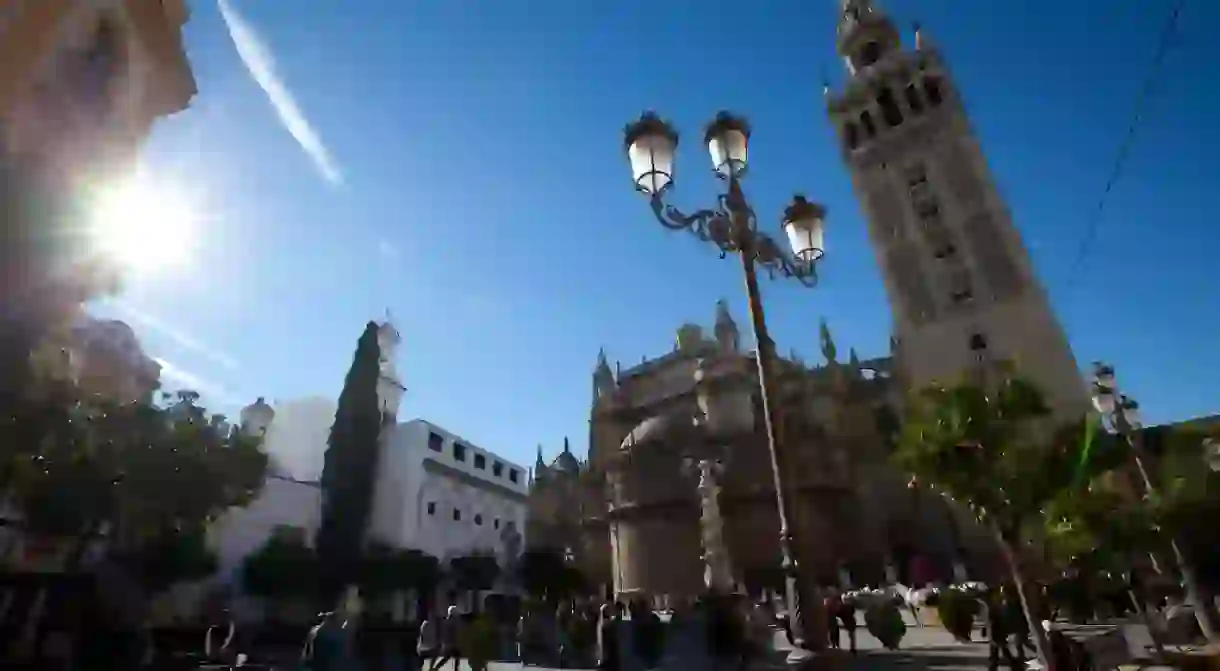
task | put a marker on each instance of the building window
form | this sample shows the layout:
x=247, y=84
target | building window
x=457, y=515
x=497, y=469
x=436, y=442
x=459, y=452
x=478, y=520
x=480, y=462
x=495, y=524
x=978, y=342
x=513, y=475
x=889, y=108
x=431, y=507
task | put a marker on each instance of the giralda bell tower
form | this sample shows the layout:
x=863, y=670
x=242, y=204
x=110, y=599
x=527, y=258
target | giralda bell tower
x=960, y=281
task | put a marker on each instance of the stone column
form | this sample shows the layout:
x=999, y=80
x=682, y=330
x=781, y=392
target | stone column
x=718, y=570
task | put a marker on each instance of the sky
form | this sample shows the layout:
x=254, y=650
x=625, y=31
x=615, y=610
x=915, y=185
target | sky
x=460, y=165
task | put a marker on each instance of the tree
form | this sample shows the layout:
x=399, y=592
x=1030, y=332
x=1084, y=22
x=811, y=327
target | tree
x=387, y=570
x=997, y=453
x=170, y=558
x=475, y=572
x=1105, y=525
x=284, y=567
x=545, y=574
x=349, y=470
x=141, y=470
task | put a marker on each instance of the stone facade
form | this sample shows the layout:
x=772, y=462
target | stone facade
x=961, y=284
x=630, y=515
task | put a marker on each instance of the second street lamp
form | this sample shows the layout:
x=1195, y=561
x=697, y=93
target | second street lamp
x=733, y=227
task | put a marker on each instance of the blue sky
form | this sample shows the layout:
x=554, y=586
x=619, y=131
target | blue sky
x=467, y=175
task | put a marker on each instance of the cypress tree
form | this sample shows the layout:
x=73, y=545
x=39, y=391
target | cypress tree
x=349, y=470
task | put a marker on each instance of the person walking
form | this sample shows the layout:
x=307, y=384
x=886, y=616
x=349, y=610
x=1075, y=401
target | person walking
x=608, y=654
x=428, y=645
x=846, y=615
x=647, y=633
x=450, y=632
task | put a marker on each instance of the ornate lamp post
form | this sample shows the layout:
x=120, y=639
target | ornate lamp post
x=732, y=227
x=1120, y=415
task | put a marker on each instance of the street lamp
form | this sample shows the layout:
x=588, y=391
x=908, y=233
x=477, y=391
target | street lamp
x=732, y=227
x=1120, y=415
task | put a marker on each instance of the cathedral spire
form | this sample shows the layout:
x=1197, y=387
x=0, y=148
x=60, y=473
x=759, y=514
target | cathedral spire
x=828, y=343
x=539, y=464
x=567, y=448
x=727, y=335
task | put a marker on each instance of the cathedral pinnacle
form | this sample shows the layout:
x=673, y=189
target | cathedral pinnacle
x=539, y=464
x=727, y=335
x=828, y=343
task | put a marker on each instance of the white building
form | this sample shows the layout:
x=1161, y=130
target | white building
x=440, y=493
x=435, y=491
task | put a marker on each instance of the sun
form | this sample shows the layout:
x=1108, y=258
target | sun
x=143, y=225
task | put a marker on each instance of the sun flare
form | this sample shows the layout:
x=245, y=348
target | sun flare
x=144, y=225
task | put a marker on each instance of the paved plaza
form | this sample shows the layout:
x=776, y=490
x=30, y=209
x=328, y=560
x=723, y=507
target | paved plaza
x=925, y=647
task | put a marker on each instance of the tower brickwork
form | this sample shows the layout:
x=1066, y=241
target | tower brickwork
x=961, y=284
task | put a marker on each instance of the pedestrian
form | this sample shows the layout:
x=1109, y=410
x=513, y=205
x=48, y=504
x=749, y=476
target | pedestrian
x=428, y=645
x=847, y=618
x=219, y=639
x=832, y=603
x=647, y=633
x=450, y=631
x=608, y=655
x=997, y=632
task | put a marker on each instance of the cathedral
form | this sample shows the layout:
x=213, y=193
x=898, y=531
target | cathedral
x=964, y=300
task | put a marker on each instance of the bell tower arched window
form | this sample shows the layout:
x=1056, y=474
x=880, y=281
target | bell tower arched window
x=851, y=135
x=870, y=53
x=889, y=108
x=932, y=89
x=866, y=120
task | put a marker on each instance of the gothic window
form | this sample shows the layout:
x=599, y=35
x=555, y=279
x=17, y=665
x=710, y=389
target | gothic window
x=889, y=108
x=885, y=208
x=996, y=263
x=866, y=120
x=851, y=135
x=932, y=89
x=961, y=177
x=914, y=101
x=911, y=285
x=961, y=290
x=978, y=342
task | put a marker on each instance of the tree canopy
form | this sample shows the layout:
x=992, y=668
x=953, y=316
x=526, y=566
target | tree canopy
x=285, y=566
x=139, y=470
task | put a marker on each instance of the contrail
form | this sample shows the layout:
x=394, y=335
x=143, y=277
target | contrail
x=260, y=63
